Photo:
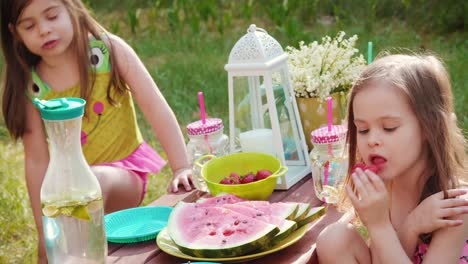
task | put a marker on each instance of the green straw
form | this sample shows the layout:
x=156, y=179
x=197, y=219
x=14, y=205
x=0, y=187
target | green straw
x=369, y=52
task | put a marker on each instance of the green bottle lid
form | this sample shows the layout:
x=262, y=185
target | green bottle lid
x=60, y=108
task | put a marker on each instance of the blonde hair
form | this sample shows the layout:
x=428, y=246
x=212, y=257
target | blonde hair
x=426, y=84
x=19, y=60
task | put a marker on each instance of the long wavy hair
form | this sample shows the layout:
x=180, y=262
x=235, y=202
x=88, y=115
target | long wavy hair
x=426, y=84
x=18, y=60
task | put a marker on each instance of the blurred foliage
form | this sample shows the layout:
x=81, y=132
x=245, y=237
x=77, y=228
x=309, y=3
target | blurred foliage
x=424, y=15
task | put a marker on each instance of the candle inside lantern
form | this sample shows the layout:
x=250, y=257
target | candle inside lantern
x=257, y=140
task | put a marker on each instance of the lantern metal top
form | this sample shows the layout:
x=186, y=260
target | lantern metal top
x=255, y=47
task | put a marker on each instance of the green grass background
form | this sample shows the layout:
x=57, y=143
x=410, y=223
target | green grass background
x=185, y=45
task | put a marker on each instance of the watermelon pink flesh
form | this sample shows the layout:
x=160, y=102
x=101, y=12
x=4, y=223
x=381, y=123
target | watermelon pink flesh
x=254, y=213
x=216, y=232
x=283, y=210
x=220, y=200
x=284, y=225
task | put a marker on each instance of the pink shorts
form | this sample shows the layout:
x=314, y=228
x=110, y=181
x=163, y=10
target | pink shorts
x=142, y=161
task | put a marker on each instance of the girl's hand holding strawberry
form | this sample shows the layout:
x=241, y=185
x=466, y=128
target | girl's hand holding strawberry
x=372, y=200
x=435, y=212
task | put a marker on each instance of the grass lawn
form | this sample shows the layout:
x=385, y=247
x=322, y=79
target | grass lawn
x=184, y=60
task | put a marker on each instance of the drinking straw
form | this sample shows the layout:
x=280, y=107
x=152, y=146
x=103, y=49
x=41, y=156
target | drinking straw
x=369, y=52
x=202, y=107
x=330, y=149
x=330, y=113
x=203, y=118
x=326, y=172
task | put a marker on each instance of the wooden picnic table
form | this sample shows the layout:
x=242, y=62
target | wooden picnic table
x=303, y=251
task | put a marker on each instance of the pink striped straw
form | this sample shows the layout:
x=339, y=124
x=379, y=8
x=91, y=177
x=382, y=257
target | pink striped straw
x=203, y=117
x=202, y=107
x=330, y=113
x=330, y=124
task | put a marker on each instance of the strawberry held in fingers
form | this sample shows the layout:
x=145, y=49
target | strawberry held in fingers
x=360, y=165
x=372, y=168
x=364, y=167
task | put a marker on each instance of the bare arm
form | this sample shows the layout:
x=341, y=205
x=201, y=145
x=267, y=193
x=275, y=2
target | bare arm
x=449, y=223
x=447, y=243
x=156, y=110
x=438, y=215
x=386, y=246
x=408, y=237
x=433, y=213
x=36, y=155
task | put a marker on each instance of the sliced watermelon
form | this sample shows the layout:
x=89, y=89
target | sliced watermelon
x=285, y=226
x=283, y=210
x=216, y=232
x=220, y=200
x=302, y=211
x=314, y=213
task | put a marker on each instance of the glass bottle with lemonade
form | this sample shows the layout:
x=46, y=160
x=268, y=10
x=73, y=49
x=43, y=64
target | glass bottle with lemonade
x=71, y=197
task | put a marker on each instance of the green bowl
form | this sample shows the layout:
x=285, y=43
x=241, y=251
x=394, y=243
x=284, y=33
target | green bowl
x=214, y=170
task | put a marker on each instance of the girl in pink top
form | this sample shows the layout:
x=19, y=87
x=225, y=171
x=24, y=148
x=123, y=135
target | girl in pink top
x=414, y=207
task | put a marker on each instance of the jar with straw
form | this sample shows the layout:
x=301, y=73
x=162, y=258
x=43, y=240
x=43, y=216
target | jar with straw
x=328, y=159
x=205, y=137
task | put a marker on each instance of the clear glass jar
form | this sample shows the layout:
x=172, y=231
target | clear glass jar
x=329, y=162
x=205, y=139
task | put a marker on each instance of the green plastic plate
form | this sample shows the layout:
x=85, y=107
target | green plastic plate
x=136, y=224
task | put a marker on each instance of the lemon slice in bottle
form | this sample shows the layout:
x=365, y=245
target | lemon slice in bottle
x=67, y=210
x=81, y=212
x=76, y=209
x=50, y=211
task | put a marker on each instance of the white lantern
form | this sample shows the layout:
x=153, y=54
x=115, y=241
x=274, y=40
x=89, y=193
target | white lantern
x=263, y=115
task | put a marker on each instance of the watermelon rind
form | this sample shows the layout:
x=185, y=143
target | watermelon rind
x=292, y=212
x=302, y=211
x=239, y=250
x=313, y=214
x=287, y=228
x=201, y=245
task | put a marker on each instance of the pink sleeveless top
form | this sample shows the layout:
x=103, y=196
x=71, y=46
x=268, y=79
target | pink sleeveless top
x=422, y=249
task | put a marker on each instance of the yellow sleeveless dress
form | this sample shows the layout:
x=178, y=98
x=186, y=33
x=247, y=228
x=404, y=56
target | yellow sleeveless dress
x=110, y=134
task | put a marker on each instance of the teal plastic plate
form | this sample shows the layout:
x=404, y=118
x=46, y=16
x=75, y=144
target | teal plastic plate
x=136, y=224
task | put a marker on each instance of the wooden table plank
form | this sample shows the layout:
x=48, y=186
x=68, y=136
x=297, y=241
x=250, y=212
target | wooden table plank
x=171, y=199
x=304, y=193
x=279, y=195
x=112, y=247
x=135, y=253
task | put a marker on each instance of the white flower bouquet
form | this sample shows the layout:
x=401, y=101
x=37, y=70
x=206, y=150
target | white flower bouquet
x=318, y=70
